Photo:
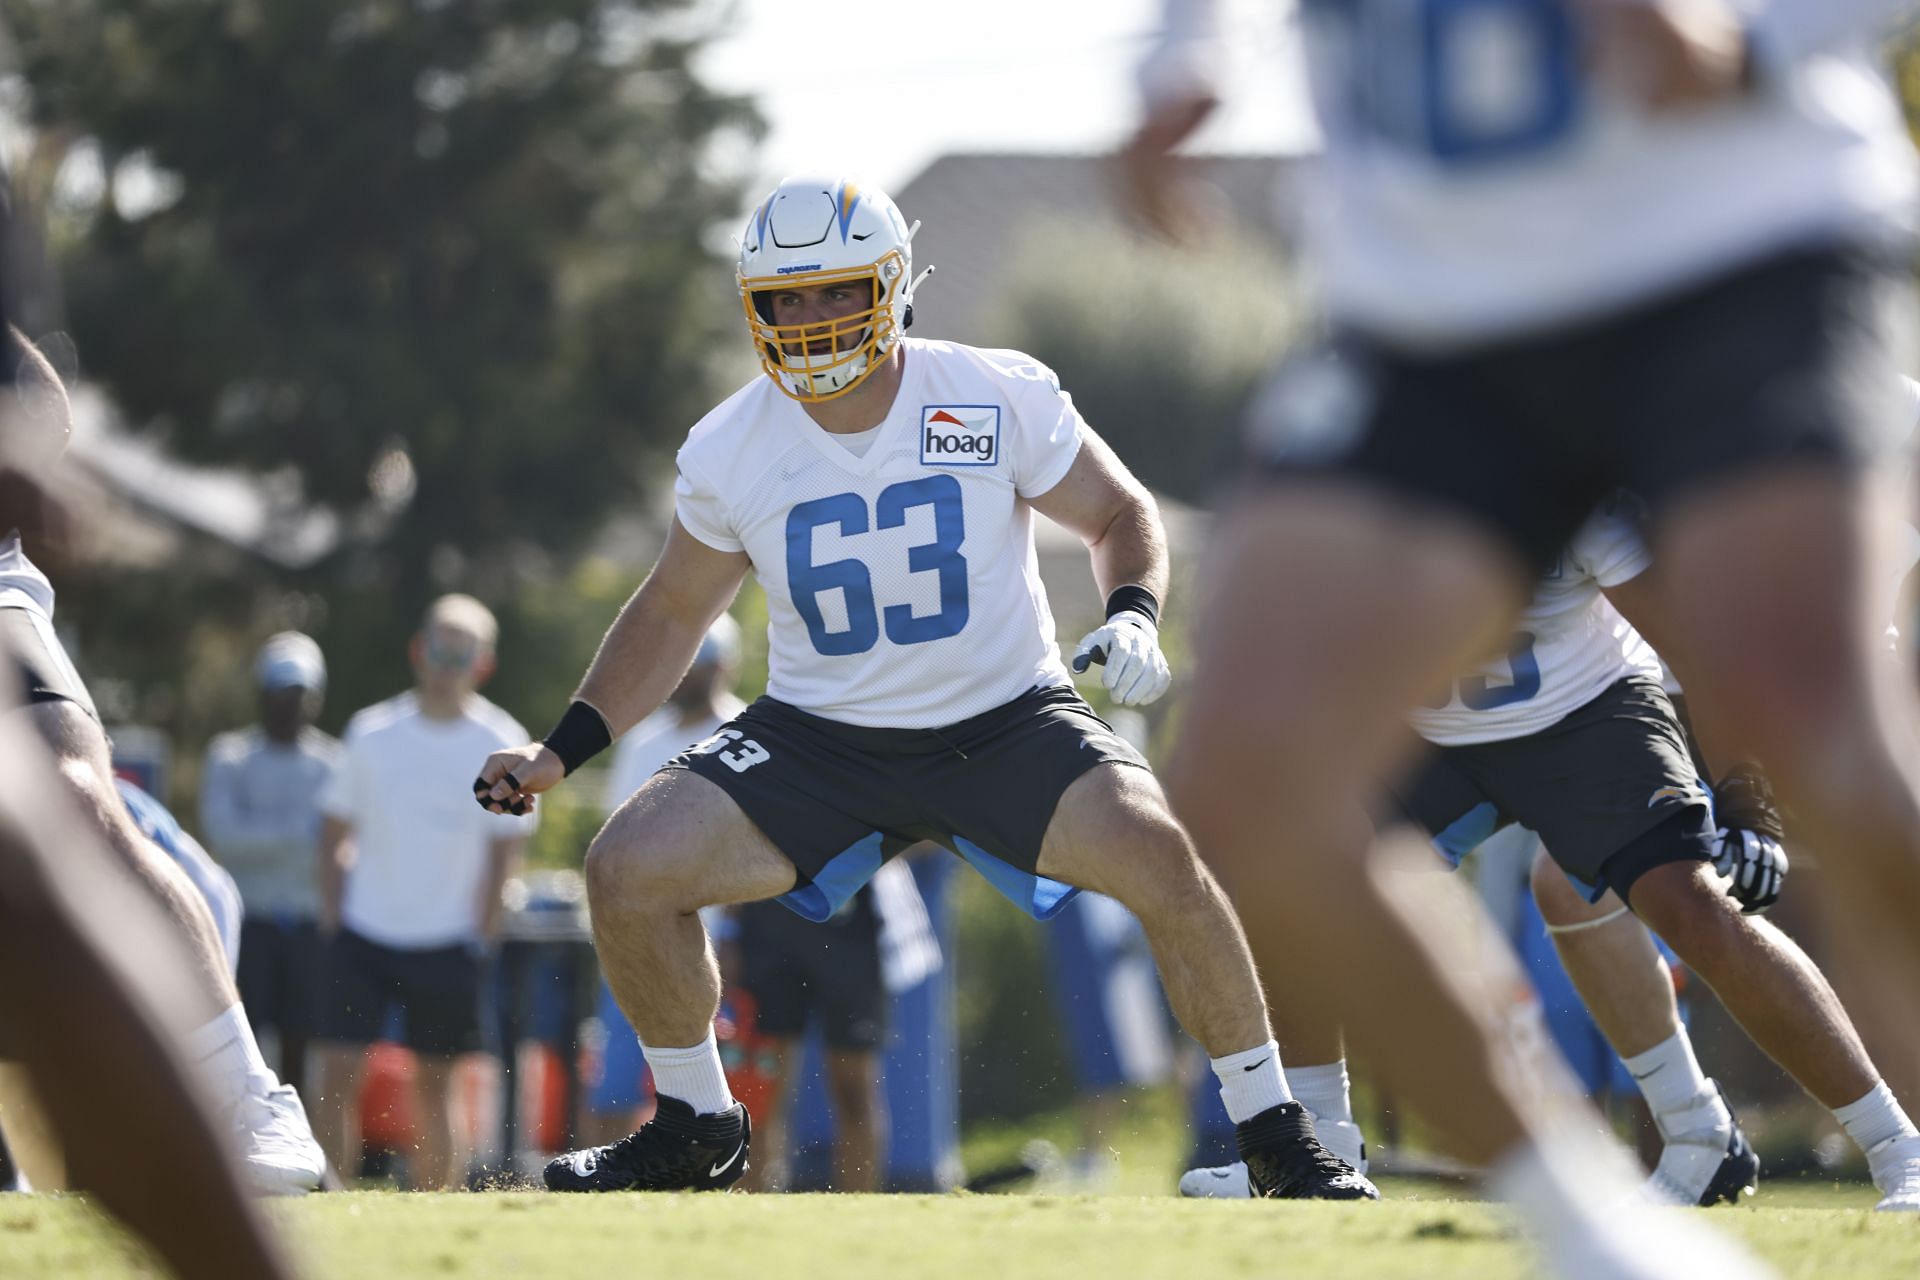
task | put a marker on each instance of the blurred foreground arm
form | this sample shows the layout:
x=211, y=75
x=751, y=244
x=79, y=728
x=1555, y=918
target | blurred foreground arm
x=1179, y=90
x=108, y=973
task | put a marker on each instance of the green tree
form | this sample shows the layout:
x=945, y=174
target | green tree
x=1160, y=347
x=441, y=265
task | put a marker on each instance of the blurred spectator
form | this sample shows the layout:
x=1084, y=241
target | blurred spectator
x=411, y=872
x=260, y=809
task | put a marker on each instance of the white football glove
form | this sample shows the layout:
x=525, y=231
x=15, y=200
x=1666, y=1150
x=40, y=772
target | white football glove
x=1755, y=866
x=1129, y=644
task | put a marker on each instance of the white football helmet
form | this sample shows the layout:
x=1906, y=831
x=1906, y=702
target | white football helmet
x=814, y=231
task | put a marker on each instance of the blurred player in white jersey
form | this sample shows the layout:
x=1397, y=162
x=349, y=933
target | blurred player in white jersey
x=99, y=976
x=269, y=1124
x=1566, y=246
x=883, y=490
x=1572, y=735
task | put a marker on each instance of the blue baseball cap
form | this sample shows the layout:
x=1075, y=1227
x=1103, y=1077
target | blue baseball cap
x=291, y=660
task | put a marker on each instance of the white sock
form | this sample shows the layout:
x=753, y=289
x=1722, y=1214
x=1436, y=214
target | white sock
x=693, y=1075
x=1669, y=1075
x=1250, y=1081
x=226, y=1050
x=1325, y=1091
x=1874, y=1119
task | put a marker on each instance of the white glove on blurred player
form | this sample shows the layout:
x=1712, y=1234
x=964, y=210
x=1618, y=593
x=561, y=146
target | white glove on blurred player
x=1129, y=643
x=1755, y=865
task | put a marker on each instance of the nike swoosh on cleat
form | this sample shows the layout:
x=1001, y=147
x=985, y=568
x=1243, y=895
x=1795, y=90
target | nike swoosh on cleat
x=724, y=1165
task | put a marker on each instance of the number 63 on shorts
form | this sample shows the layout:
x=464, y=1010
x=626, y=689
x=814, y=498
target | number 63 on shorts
x=748, y=753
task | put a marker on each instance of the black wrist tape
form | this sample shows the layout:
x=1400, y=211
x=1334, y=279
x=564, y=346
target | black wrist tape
x=1133, y=598
x=581, y=735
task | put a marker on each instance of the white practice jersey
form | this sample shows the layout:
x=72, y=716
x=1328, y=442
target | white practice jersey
x=22, y=585
x=902, y=586
x=1476, y=181
x=421, y=845
x=1570, y=646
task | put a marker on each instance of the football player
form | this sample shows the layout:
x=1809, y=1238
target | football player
x=268, y=1122
x=100, y=977
x=107, y=969
x=1570, y=246
x=1571, y=733
x=883, y=490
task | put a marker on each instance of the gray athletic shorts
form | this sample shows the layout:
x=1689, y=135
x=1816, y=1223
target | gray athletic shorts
x=1787, y=361
x=839, y=799
x=1610, y=790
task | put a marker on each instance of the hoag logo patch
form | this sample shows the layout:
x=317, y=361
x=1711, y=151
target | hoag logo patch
x=959, y=435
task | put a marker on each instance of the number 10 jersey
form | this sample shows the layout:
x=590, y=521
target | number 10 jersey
x=902, y=586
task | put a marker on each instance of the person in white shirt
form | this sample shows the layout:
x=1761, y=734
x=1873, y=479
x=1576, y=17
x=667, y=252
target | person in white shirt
x=410, y=883
x=260, y=809
x=1566, y=246
x=883, y=490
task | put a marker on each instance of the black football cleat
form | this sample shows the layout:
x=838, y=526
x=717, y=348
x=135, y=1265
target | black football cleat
x=675, y=1151
x=1285, y=1160
x=1705, y=1163
x=1739, y=1172
x=1707, y=1167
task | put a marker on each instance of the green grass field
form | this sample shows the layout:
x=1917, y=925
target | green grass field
x=1426, y=1230
x=1805, y=1231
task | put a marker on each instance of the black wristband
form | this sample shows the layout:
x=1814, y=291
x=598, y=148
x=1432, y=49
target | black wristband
x=581, y=735
x=1134, y=598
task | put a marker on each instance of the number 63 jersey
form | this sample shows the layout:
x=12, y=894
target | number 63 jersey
x=1571, y=645
x=902, y=586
